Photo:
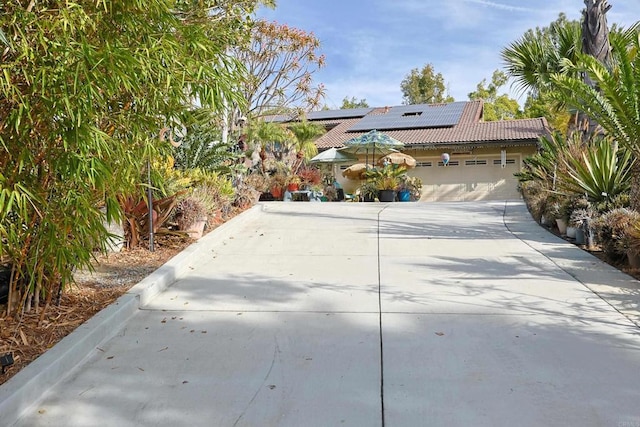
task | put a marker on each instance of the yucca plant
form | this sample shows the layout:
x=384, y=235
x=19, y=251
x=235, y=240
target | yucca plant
x=602, y=173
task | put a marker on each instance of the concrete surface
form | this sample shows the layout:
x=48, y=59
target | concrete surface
x=359, y=314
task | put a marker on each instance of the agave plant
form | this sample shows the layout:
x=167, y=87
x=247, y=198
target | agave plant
x=602, y=173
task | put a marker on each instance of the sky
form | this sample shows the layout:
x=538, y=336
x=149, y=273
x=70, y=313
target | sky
x=371, y=45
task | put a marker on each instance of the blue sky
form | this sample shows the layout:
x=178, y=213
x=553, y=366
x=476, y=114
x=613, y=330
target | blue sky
x=371, y=45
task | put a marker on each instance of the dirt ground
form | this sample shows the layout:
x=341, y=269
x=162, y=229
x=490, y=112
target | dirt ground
x=113, y=276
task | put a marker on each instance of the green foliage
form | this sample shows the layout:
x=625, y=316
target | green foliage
x=348, y=103
x=615, y=101
x=305, y=133
x=388, y=177
x=543, y=167
x=532, y=59
x=496, y=106
x=85, y=89
x=602, y=173
x=424, y=87
x=201, y=149
x=543, y=105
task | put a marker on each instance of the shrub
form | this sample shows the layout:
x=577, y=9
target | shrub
x=611, y=230
x=188, y=211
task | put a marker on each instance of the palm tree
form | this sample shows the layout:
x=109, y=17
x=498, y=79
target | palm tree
x=595, y=42
x=538, y=54
x=614, y=101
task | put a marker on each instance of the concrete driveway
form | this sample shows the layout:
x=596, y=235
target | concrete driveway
x=367, y=314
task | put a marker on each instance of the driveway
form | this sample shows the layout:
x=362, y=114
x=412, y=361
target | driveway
x=367, y=314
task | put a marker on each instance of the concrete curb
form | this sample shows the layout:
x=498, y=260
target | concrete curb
x=27, y=387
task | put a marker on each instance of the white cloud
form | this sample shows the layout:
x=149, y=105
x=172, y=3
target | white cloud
x=501, y=6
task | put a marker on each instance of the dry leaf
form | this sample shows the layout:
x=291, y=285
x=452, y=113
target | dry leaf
x=25, y=341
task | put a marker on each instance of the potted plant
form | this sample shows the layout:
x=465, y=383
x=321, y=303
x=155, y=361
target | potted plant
x=278, y=181
x=368, y=191
x=330, y=193
x=293, y=183
x=578, y=220
x=387, y=186
x=567, y=209
x=191, y=216
x=409, y=189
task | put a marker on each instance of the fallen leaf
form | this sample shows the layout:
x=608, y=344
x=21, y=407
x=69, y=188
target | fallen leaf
x=25, y=341
x=440, y=334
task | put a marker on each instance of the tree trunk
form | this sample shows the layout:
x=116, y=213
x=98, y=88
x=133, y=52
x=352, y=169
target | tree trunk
x=595, y=42
x=634, y=194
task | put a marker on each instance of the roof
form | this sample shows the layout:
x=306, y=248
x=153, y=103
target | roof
x=457, y=124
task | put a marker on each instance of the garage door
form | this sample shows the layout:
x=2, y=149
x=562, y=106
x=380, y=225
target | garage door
x=469, y=178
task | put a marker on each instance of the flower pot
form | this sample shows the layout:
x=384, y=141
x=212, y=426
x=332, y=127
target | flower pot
x=276, y=192
x=571, y=232
x=5, y=279
x=292, y=187
x=580, y=236
x=387, y=195
x=562, y=226
x=196, y=230
x=634, y=259
x=404, y=196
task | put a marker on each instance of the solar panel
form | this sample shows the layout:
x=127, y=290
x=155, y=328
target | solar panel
x=413, y=117
x=338, y=114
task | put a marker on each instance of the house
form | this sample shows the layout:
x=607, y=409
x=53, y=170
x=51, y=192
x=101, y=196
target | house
x=483, y=156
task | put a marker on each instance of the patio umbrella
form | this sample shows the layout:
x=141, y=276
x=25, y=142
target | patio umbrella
x=332, y=155
x=399, y=159
x=356, y=171
x=374, y=141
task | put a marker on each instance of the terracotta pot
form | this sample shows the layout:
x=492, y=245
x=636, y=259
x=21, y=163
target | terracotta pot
x=196, y=230
x=276, y=192
x=293, y=187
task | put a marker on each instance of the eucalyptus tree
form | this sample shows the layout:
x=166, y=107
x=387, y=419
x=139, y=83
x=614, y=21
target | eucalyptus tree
x=424, y=86
x=496, y=106
x=86, y=86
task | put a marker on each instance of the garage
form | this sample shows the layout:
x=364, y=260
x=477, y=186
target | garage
x=468, y=178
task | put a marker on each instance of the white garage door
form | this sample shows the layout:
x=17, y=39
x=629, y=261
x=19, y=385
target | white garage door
x=468, y=178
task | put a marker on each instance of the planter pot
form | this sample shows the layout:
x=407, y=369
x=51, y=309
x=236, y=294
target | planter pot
x=404, y=196
x=571, y=232
x=266, y=197
x=5, y=278
x=387, y=195
x=562, y=226
x=293, y=187
x=546, y=221
x=634, y=259
x=277, y=192
x=580, y=236
x=196, y=230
